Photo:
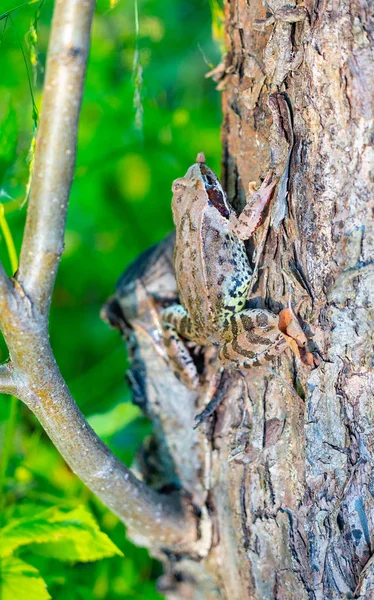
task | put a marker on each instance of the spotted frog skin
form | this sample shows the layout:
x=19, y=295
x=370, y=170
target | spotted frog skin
x=214, y=275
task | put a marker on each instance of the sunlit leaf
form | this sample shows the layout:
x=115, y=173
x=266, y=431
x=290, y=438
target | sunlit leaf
x=20, y=580
x=70, y=535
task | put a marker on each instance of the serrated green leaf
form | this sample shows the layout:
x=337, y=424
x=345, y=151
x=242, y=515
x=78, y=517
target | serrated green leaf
x=71, y=535
x=109, y=423
x=8, y=140
x=20, y=580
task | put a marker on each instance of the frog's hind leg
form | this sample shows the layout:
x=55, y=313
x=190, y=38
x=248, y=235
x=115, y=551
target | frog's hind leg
x=176, y=323
x=254, y=339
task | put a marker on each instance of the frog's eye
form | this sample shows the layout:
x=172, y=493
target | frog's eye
x=214, y=191
x=208, y=180
x=217, y=198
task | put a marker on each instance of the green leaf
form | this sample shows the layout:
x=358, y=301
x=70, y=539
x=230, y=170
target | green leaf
x=70, y=535
x=109, y=423
x=20, y=580
x=8, y=140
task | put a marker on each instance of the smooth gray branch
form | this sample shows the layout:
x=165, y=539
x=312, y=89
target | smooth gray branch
x=7, y=384
x=56, y=140
x=5, y=290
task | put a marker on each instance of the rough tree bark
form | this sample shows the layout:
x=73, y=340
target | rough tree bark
x=283, y=473
x=272, y=497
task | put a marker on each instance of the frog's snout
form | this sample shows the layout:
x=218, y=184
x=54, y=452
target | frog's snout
x=178, y=184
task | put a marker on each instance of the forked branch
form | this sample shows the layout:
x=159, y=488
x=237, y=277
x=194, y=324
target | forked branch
x=33, y=374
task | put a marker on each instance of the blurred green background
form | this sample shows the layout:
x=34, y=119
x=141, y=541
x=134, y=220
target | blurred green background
x=147, y=111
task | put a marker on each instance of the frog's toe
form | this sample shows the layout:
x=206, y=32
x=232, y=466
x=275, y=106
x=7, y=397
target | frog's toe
x=181, y=361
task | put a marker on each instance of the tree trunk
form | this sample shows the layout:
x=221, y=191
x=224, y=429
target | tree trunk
x=282, y=474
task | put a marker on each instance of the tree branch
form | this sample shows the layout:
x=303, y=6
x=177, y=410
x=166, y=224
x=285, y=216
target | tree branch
x=7, y=384
x=160, y=518
x=152, y=516
x=6, y=289
x=55, y=149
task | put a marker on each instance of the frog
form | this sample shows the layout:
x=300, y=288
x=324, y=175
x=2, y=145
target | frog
x=213, y=275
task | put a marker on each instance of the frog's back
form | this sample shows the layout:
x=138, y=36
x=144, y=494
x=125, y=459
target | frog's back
x=228, y=271
x=189, y=272
x=212, y=271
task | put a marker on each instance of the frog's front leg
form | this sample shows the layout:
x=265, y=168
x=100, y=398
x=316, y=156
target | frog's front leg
x=176, y=323
x=250, y=218
x=251, y=338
